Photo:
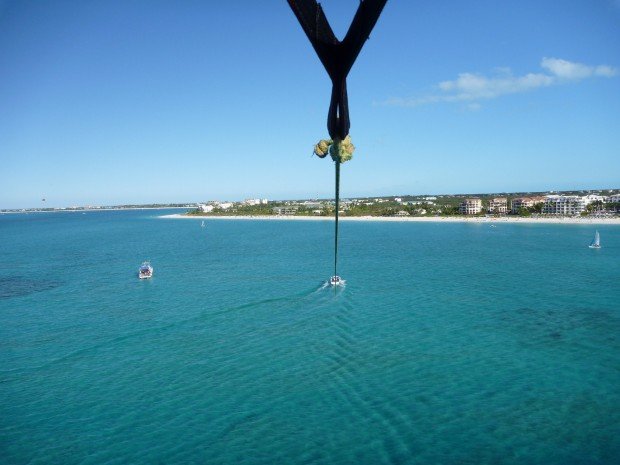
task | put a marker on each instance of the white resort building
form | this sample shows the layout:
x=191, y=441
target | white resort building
x=498, y=205
x=470, y=206
x=205, y=208
x=594, y=198
x=255, y=202
x=569, y=205
x=284, y=210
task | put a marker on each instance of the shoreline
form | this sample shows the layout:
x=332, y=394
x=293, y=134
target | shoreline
x=415, y=219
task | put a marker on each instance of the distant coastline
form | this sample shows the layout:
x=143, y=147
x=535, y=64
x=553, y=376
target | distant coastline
x=595, y=206
x=86, y=210
x=418, y=219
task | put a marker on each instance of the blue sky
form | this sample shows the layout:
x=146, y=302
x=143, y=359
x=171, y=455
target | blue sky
x=108, y=102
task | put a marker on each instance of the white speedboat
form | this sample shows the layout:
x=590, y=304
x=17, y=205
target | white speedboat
x=335, y=281
x=596, y=242
x=145, y=271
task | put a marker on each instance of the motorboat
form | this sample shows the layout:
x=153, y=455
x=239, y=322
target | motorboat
x=335, y=281
x=145, y=271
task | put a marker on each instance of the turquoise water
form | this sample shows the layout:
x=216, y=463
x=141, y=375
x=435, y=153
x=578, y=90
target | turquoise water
x=450, y=344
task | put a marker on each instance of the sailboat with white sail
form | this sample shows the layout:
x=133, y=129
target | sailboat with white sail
x=596, y=242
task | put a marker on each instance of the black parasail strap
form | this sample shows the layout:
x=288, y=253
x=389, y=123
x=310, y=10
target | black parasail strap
x=337, y=58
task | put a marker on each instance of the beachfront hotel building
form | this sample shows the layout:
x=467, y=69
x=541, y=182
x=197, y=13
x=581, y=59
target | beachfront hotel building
x=498, y=205
x=524, y=202
x=470, y=207
x=568, y=205
x=594, y=198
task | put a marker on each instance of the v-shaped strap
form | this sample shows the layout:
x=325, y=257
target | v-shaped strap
x=337, y=56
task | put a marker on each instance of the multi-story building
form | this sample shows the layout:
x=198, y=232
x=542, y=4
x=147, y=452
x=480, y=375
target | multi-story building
x=569, y=205
x=594, y=198
x=284, y=210
x=520, y=202
x=524, y=202
x=205, y=208
x=470, y=206
x=498, y=205
x=615, y=199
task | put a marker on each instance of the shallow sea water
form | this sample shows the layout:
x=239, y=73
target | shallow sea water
x=450, y=344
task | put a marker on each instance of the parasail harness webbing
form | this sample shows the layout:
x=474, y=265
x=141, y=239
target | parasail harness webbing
x=337, y=58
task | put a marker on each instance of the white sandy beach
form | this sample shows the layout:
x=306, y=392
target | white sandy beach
x=433, y=219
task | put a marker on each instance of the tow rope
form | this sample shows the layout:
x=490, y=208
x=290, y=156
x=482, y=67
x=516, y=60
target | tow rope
x=340, y=152
x=337, y=195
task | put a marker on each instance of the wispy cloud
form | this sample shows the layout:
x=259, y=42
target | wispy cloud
x=563, y=69
x=470, y=87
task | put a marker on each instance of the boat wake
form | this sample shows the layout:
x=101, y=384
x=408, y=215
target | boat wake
x=328, y=285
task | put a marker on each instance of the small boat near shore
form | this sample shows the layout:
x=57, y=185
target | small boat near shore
x=145, y=271
x=596, y=242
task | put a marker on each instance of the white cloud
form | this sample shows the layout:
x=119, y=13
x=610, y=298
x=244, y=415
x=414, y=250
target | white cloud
x=565, y=69
x=605, y=71
x=472, y=87
x=476, y=87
